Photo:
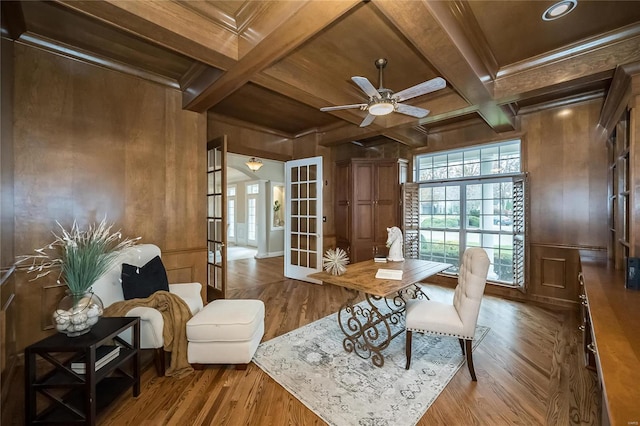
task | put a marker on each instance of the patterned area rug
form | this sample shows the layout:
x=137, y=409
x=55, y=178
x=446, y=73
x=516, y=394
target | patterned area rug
x=345, y=390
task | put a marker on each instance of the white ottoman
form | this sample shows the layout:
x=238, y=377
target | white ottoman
x=226, y=331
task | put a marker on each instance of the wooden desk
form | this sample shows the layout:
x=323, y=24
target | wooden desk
x=370, y=326
x=615, y=322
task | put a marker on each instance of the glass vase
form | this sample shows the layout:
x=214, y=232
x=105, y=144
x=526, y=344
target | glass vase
x=77, y=313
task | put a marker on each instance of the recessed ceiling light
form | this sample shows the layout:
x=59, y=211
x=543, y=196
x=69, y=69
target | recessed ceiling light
x=560, y=9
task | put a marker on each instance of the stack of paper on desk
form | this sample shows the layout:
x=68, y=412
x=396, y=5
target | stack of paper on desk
x=389, y=274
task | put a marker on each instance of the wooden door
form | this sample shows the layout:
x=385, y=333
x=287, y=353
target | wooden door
x=303, y=223
x=342, y=206
x=217, y=218
x=362, y=211
x=387, y=187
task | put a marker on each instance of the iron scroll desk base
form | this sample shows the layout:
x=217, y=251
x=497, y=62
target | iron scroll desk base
x=370, y=326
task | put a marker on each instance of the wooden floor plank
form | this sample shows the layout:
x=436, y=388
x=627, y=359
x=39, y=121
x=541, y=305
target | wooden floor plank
x=528, y=366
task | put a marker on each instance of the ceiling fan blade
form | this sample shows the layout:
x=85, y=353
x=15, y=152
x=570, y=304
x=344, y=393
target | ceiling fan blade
x=421, y=89
x=366, y=87
x=412, y=110
x=335, y=108
x=367, y=120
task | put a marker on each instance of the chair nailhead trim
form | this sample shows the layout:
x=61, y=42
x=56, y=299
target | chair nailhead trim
x=439, y=334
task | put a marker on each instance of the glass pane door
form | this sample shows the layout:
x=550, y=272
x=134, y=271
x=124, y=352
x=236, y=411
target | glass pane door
x=217, y=218
x=303, y=224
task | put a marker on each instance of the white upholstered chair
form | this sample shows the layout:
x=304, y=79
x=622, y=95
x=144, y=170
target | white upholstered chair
x=109, y=289
x=457, y=319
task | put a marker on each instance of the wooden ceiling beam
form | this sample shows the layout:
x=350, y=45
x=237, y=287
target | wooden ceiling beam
x=542, y=76
x=12, y=19
x=167, y=24
x=258, y=20
x=435, y=32
x=308, y=20
x=301, y=95
x=407, y=136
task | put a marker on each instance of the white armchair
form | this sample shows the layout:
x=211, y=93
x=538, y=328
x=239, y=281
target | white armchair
x=109, y=289
x=458, y=319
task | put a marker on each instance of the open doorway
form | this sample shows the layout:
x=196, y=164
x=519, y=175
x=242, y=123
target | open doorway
x=254, y=208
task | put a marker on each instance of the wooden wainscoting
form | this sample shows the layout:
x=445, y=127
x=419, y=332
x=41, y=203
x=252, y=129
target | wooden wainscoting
x=8, y=349
x=187, y=266
x=553, y=274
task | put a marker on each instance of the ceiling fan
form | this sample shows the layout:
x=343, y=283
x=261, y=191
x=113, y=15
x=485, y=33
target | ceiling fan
x=384, y=101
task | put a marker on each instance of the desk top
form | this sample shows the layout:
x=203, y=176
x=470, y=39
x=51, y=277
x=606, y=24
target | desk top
x=616, y=325
x=361, y=276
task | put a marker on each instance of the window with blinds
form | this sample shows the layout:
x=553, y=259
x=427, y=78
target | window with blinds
x=472, y=197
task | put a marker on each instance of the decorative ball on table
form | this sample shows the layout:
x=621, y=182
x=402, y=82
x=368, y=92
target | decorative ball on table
x=335, y=261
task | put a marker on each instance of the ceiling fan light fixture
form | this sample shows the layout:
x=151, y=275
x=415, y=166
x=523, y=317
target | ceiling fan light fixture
x=254, y=164
x=559, y=9
x=381, y=108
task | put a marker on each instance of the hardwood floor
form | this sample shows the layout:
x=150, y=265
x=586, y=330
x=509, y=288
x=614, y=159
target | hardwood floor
x=528, y=367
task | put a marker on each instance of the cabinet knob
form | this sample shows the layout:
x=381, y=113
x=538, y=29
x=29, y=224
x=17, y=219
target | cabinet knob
x=581, y=327
x=591, y=347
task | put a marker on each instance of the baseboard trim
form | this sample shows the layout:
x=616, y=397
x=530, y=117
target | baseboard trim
x=272, y=254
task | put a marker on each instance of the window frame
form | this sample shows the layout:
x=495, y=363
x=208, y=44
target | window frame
x=484, y=175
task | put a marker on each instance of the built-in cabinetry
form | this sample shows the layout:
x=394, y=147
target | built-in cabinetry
x=588, y=346
x=612, y=338
x=367, y=202
x=619, y=192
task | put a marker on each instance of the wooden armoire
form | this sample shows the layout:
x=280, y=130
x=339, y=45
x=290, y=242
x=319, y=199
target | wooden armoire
x=367, y=202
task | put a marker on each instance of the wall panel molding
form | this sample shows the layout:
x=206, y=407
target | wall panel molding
x=553, y=272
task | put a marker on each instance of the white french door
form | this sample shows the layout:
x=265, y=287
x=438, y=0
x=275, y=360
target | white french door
x=217, y=218
x=303, y=223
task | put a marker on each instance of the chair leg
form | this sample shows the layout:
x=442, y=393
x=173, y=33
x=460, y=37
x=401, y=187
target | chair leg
x=159, y=360
x=408, y=349
x=468, y=350
x=461, y=345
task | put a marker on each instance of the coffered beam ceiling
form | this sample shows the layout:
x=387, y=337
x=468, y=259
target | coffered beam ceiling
x=168, y=24
x=437, y=36
x=303, y=23
x=275, y=45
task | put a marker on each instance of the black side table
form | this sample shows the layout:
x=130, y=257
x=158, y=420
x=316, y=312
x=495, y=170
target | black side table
x=74, y=398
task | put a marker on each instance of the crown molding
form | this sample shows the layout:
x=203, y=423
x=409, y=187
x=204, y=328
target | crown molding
x=81, y=55
x=568, y=100
x=246, y=125
x=618, y=97
x=580, y=47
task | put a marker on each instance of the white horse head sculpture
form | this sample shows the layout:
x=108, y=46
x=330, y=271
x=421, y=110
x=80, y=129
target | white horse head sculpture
x=394, y=242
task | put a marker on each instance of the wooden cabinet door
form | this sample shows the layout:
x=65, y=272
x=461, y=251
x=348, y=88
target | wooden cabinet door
x=387, y=187
x=342, y=205
x=362, y=212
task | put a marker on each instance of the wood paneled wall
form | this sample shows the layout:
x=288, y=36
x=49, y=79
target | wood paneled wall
x=90, y=143
x=249, y=141
x=6, y=155
x=567, y=165
x=8, y=312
